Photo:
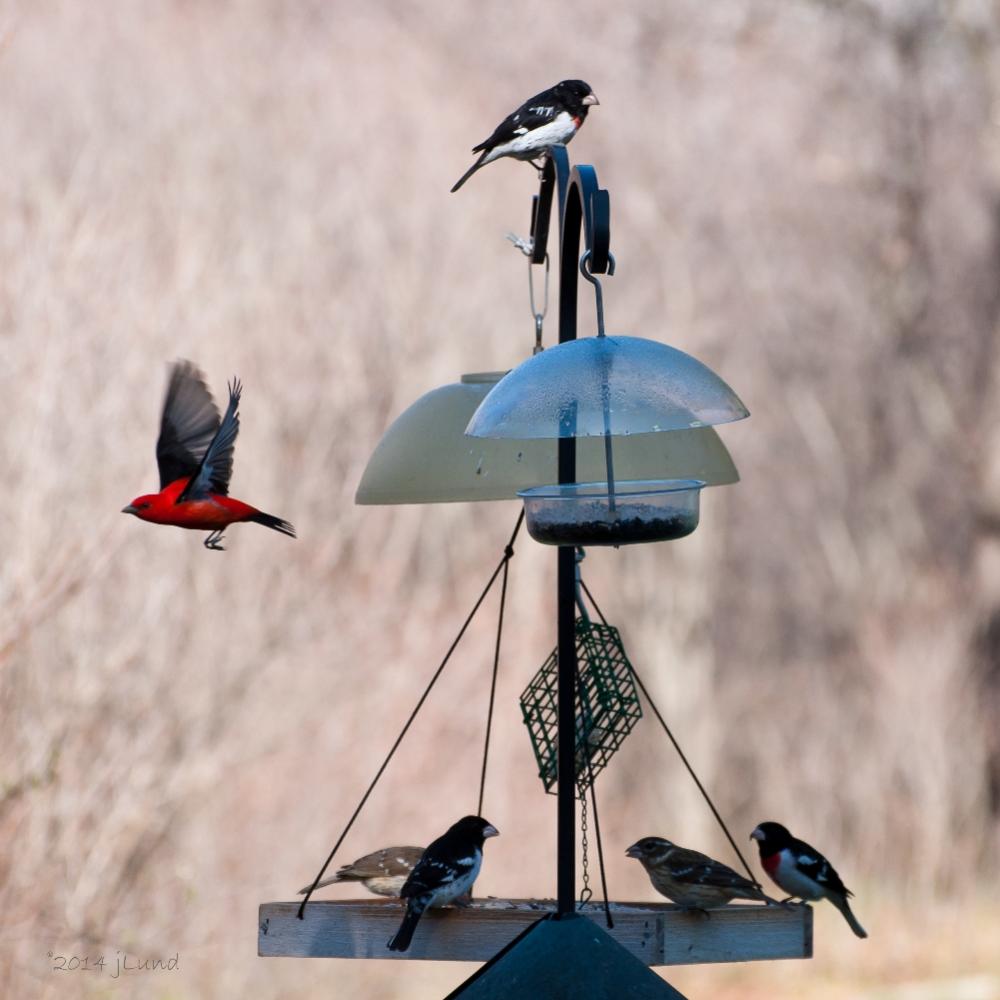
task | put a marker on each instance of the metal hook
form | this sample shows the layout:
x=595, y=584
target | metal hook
x=606, y=401
x=527, y=247
x=539, y=314
x=579, y=555
x=598, y=291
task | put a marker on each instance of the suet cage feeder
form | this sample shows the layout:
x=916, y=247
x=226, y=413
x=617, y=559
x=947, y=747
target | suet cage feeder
x=607, y=705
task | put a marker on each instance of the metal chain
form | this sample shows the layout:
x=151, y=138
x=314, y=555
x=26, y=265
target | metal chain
x=585, y=891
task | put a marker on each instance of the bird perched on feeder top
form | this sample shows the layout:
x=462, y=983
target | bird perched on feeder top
x=194, y=453
x=547, y=119
x=382, y=872
x=801, y=871
x=445, y=871
x=692, y=880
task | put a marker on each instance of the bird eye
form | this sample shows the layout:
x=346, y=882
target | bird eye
x=144, y=506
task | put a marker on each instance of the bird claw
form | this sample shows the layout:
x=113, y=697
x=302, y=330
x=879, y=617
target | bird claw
x=212, y=542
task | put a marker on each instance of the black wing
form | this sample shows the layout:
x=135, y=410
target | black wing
x=189, y=422
x=538, y=110
x=813, y=864
x=213, y=473
x=446, y=859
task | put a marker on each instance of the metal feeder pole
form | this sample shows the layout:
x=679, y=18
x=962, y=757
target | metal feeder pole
x=583, y=206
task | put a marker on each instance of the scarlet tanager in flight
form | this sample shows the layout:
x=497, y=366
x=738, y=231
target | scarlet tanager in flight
x=195, y=456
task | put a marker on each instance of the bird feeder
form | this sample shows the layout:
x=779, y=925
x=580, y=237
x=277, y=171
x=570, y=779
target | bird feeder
x=611, y=388
x=607, y=441
x=607, y=705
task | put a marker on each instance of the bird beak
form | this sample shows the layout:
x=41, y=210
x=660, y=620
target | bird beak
x=590, y=99
x=130, y=509
x=633, y=852
x=490, y=831
x=756, y=835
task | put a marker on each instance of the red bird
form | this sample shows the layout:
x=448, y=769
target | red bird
x=195, y=456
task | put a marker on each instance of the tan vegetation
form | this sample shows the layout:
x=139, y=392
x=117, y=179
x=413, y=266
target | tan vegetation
x=804, y=196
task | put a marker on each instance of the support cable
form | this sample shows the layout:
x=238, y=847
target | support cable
x=508, y=553
x=600, y=856
x=680, y=752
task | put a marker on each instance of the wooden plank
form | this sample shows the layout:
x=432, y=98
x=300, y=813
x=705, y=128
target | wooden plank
x=656, y=933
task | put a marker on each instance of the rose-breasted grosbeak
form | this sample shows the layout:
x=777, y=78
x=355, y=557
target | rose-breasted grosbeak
x=445, y=871
x=801, y=871
x=381, y=872
x=692, y=880
x=547, y=119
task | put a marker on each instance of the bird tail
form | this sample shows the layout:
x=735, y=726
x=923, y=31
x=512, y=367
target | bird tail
x=320, y=885
x=402, y=938
x=270, y=521
x=468, y=173
x=841, y=903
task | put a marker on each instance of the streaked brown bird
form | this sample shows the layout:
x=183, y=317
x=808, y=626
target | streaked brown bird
x=690, y=879
x=382, y=872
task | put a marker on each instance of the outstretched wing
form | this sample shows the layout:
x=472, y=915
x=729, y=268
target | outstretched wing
x=189, y=422
x=216, y=466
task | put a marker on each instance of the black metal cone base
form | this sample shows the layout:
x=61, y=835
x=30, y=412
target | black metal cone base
x=565, y=958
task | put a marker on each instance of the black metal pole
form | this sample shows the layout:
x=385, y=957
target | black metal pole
x=583, y=208
x=566, y=632
x=569, y=246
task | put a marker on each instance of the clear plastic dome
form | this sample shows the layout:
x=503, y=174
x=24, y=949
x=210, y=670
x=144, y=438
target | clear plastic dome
x=598, y=385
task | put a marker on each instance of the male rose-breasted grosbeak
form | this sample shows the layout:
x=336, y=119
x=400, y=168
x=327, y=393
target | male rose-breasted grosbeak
x=381, y=872
x=692, y=880
x=445, y=871
x=801, y=871
x=547, y=119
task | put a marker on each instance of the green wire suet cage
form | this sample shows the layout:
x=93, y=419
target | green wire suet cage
x=607, y=704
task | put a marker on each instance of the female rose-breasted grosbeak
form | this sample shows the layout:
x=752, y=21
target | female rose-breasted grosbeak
x=445, y=871
x=547, y=119
x=692, y=880
x=801, y=871
x=381, y=872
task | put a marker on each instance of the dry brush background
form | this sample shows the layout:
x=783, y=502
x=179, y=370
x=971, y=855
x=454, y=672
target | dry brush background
x=805, y=195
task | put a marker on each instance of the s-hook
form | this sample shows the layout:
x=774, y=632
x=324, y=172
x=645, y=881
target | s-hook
x=598, y=291
x=605, y=387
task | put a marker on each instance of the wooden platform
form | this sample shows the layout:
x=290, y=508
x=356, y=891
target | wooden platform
x=658, y=934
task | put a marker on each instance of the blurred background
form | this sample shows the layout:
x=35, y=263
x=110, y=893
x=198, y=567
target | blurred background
x=804, y=195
